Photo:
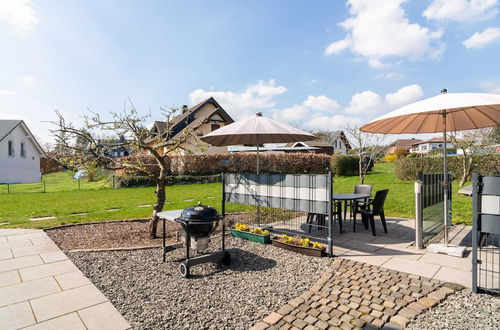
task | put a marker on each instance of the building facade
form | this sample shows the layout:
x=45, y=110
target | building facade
x=20, y=153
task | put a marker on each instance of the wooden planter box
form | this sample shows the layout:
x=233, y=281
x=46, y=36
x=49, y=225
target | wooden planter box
x=299, y=249
x=263, y=239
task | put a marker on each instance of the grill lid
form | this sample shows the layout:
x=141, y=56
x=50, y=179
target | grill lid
x=199, y=213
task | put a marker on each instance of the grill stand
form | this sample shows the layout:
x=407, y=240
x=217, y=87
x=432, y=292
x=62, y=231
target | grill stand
x=222, y=256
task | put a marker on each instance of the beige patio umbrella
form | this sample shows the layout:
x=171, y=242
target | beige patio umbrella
x=443, y=113
x=256, y=130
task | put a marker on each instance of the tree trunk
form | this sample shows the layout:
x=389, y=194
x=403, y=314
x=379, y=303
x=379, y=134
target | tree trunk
x=361, y=172
x=160, y=202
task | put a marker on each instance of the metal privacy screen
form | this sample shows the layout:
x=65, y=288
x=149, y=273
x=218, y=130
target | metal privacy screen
x=295, y=192
x=433, y=204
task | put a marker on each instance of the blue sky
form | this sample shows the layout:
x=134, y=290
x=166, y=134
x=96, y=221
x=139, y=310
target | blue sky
x=315, y=64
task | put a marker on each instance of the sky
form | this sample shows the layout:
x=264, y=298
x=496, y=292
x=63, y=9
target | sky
x=315, y=64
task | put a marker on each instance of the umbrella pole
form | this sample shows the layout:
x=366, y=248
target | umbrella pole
x=445, y=182
x=258, y=178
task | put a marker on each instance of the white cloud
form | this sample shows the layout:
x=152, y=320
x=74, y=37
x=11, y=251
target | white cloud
x=388, y=75
x=311, y=82
x=333, y=123
x=490, y=87
x=481, y=39
x=366, y=102
x=461, y=10
x=292, y=114
x=27, y=80
x=21, y=14
x=378, y=30
x=5, y=92
x=321, y=103
x=256, y=96
x=404, y=95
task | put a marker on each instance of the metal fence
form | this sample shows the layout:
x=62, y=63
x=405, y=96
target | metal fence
x=429, y=202
x=46, y=187
x=486, y=234
x=292, y=204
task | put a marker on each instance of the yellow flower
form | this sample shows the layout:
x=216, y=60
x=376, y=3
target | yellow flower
x=317, y=245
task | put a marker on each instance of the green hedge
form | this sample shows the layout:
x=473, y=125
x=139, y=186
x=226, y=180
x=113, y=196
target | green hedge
x=342, y=165
x=407, y=168
x=125, y=181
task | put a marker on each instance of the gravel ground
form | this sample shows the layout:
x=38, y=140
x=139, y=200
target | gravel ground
x=107, y=235
x=151, y=294
x=461, y=310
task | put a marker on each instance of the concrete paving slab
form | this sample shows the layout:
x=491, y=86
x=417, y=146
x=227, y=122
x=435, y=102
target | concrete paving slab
x=28, y=290
x=103, y=317
x=6, y=254
x=448, y=261
x=17, y=263
x=53, y=256
x=72, y=280
x=34, y=249
x=16, y=316
x=46, y=270
x=447, y=274
x=69, y=321
x=66, y=302
x=412, y=267
x=9, y=278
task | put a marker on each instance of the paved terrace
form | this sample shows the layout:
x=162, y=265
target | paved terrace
x=395, y=249
x=40, y=288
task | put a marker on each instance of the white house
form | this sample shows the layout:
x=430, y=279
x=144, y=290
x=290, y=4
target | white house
x=434, y=144
x=19, y=153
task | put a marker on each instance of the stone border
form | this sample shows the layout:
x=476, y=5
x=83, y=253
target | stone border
x=93, y=223
x=357, y=295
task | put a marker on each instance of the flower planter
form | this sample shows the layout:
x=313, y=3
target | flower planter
x=263, y=239
x=299, y=249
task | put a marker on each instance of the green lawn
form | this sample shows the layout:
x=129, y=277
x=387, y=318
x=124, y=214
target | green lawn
x=18, y=208
x=59, y=181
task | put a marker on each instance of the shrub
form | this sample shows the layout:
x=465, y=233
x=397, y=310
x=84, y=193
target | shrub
x=342, y=165
x=125, y=181
x=408, y=168
x=401, y=152
x=390, y=158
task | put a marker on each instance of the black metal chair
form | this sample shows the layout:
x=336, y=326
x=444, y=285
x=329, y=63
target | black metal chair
x=355, y=206
x=377, y=208
x=321, y=218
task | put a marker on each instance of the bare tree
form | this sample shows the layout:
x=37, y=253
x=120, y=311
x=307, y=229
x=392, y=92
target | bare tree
x=83, y=146
x=366, y=146
x=474, y=149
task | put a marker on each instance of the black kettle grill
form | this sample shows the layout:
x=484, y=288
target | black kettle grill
x=198, y=223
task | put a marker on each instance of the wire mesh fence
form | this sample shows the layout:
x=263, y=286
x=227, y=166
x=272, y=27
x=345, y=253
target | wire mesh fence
x=66, y=184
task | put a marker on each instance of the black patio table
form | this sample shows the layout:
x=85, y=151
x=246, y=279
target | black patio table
x=345, y=198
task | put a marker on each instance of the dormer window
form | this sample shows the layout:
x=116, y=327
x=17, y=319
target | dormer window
x=23, y=150
x=11, y=148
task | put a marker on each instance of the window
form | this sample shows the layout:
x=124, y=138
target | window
x=23, y=151
x=214, y=127
x=11, y=149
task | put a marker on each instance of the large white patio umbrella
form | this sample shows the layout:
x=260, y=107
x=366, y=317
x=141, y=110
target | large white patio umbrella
x=443, y=113
x=256, y=130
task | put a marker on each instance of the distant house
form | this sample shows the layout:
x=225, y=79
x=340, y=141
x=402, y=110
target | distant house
x=203, y=118
x=434, y=144
x=401, y=143
x=339, y=145
x=19, y=153
x=115, y=148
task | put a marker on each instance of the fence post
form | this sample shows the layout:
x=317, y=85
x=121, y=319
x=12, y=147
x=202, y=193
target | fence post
x=418, y=215
x=330, y=214
x=78, y=183
x=44, y=188
x=8, y=188
x=475, y=216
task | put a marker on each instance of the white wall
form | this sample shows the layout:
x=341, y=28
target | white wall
x=18, y=169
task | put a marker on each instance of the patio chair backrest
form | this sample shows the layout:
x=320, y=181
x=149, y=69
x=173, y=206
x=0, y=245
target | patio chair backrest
x=378, y=201
x=363, y=189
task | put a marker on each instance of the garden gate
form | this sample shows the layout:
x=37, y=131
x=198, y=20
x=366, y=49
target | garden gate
x=486, y=233
x=293, y=204
x=429, y=204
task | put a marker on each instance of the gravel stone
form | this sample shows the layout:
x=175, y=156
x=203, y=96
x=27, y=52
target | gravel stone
x=151, y=294
x=461, y=310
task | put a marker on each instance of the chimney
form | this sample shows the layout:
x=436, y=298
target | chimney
x=444, y=91
x=184, y=108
